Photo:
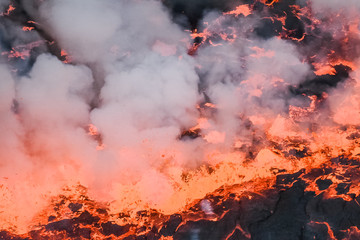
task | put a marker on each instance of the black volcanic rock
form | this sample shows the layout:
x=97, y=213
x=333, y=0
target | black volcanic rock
x=171, y=225
x=289, y=217
x=257, y=208
x=237, y=235
x=316, y=231
x=317, y=85
x=7, y=236
x=268, y=29
x=338, y=213
x=317, y=172
x=204, y=229
x=296, y=27
x=342, y=188
x=285, y=179
x=62, y=225
x=86, y=218
x=323, y=184
x=81, y=232
x=109, y=228
x=194, y=10
x=74, y=207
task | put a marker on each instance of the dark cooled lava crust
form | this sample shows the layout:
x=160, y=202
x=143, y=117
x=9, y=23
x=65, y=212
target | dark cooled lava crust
x=287, y=210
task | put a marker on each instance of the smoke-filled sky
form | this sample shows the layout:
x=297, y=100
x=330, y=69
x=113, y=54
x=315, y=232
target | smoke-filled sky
x=129, y=75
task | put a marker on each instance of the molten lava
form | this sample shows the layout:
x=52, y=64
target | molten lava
x=235, y=126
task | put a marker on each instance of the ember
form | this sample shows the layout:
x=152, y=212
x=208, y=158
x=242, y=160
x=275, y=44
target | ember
x=179, y=120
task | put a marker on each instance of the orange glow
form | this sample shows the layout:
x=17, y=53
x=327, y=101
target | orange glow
x=241, y=9
x=67, y=58
x=27, y=28
x=256, y=92
x=238, y=154
x=269, y=3
x=100, y=147
x=203, y=123
x=22, y=51
x=323, y=70
x=330, y=232
x=93, y=130
x=63, y=52
x=215, y=137
x=196, y=34
x=214, y=44
x=9, y=10
x=350, y=64
x=260, y=52
x=17, y=54
x=299, y=113
x=210, y=105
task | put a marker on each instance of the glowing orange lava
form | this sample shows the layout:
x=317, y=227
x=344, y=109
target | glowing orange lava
x=241, y=9
x=241, y=155
x=10, y=9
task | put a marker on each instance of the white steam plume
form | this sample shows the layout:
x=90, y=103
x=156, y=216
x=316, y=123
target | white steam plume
x=130, y=59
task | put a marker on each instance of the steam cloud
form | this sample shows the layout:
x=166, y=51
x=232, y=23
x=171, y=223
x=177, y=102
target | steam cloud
x=131, y=76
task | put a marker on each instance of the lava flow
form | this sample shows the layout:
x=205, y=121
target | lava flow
x=149, y=119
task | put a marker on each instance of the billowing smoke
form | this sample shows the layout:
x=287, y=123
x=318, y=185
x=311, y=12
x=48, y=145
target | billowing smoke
x=334, y=5
x=344, y=100
x=4, y=4
x=109, y=96
x=131, y=77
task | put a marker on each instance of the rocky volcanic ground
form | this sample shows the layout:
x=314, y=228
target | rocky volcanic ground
x=286, y=211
